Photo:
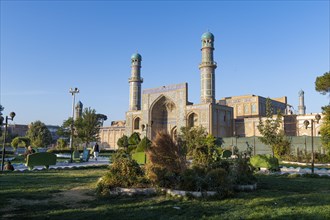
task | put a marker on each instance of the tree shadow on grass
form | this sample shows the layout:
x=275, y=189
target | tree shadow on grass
x=139, y=208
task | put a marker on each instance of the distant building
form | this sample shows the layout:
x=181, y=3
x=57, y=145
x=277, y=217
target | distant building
x=79, y=109
x=110, y=135
x=293, y=125
x=18, y=130
x=301, y=107
x=248, y=109
x=247, y=106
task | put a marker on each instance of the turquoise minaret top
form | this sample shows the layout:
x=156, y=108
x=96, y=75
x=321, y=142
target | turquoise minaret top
x=208, y=35
x=136, y=56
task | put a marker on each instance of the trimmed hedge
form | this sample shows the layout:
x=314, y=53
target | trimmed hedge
x=40, y=159
x=264, y=161
x=140, y=158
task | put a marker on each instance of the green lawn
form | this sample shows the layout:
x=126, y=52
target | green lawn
x=69, y=194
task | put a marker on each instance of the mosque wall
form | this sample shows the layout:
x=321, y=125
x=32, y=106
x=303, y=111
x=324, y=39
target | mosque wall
x=110, y=135
x=252, y=105
x=222, y=121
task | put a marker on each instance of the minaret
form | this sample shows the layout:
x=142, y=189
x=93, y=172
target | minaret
x=301, y=107
x=207, y=69
x=135, y=83
x=79, y=108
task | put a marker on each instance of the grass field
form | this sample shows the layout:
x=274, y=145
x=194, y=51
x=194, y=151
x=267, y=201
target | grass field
x=70, y=194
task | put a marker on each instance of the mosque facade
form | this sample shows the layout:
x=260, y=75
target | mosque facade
x=167, y=109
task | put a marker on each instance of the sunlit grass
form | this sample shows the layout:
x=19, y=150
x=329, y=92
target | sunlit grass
x=277, y=197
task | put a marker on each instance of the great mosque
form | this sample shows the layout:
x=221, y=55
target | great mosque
x=167, y=108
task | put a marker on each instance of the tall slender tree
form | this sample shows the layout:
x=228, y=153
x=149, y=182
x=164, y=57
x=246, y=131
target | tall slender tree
x=270, y=129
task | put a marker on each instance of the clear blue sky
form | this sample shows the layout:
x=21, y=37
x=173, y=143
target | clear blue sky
x=266, y=48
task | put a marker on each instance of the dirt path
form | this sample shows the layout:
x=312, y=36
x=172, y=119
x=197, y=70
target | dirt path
x=72, y=198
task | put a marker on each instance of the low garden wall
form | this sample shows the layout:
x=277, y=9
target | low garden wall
x=172, y=192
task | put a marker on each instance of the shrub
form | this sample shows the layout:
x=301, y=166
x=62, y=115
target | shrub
x=123, y=142
x=301, y=156
x=133, y=141
x=202, y=179
x=321, y=158
x=202, y=147
x=144, y=144
x=241, y=172
x=20, y=142
x=217, y=180
x=226, y=154
x=165, y=161
x=139, y=157
x=193, y=179
x=121, y=153
x=124, y=172
x=282, y=148
x=224, y=164
x=61, y=144
x=128, y=169
x=265, y=161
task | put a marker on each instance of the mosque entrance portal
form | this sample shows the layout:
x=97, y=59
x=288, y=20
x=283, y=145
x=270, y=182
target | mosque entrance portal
x=163, y=116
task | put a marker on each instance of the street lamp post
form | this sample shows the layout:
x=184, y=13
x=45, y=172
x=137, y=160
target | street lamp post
x=306, y=123
x=73, y=93
x=12, y=115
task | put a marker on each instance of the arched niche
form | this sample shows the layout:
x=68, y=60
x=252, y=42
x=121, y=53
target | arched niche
x=163, y=115
x=136, y=123
x=192, y=120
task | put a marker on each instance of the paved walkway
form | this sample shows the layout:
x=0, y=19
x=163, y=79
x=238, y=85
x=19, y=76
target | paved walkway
x=299, y=170
x=101, y=161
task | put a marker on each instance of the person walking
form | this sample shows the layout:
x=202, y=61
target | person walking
x=96, y=150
